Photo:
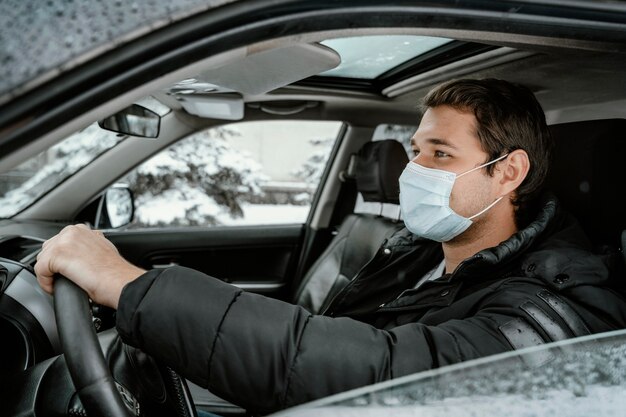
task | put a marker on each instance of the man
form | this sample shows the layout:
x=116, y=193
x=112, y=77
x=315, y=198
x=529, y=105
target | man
x=485, y=265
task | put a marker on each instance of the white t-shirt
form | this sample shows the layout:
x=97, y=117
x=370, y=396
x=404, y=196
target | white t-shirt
x=433, y=274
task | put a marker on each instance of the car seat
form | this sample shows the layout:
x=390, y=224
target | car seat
x=377, y=167
x=624, y=244
x=588, y=174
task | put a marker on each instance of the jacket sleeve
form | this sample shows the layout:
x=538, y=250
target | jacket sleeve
x=264, y=354
x=256, y=352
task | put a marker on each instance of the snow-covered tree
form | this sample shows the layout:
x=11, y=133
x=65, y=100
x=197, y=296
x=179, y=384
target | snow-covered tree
x=313, y=168
x=401, y=133
x=195, y=181
x=49, y=168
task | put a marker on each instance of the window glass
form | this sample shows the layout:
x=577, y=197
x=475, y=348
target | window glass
x=575, y=377
x=24, y=184
x=251, y=173
x=368, y=57
x=403, y=134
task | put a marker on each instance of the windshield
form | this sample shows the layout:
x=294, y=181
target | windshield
x=577, y=377
x=24, y=184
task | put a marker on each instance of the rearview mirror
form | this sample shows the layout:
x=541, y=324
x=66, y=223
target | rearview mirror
x=134, y=120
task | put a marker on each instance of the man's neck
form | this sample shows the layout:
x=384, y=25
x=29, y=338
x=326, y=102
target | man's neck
x=457, y=250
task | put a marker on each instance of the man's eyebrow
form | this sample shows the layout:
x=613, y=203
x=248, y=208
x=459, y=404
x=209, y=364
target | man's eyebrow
x=435, y=141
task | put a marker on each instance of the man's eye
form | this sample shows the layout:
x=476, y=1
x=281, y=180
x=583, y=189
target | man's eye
x=416, y=152
x=440, y=154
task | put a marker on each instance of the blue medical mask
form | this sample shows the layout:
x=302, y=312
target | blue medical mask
x=425, y=202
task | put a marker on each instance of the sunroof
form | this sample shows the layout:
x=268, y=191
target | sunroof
x=367, y=57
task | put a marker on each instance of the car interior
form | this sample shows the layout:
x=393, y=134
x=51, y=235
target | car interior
x=309, y=76
x=377, y=167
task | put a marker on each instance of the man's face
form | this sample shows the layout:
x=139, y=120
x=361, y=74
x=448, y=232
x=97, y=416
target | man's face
x=447, y=140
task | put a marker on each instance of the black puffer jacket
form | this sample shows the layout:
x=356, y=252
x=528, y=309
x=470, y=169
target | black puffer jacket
x=542, y=284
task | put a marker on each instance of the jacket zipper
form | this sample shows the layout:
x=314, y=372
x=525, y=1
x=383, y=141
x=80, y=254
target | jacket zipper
x=459, y=267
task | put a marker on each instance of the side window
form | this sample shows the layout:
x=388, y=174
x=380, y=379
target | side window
x=250, y=173
x=403, y=134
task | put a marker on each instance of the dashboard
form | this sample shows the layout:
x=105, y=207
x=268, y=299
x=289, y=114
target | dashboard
x=28, y=332
x=33, y=377
x=27, y=323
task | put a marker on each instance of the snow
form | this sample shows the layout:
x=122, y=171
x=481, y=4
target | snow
x=167, y=207
x=313, y=168
x=202, y=180
x=198, y=181
x=600, y=401
x=67, y=157
x=586, y=376
x=162, y=164
x=205, y=180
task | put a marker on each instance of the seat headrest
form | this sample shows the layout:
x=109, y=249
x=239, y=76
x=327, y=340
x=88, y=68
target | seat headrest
x=588, y=174
x=378, y=167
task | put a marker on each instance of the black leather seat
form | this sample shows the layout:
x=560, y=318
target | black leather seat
x=377, y=169
x=588, y=175
x=624, y=244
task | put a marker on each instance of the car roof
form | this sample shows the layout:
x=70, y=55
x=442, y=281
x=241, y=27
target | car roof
x=536, y=43
x=62, y=35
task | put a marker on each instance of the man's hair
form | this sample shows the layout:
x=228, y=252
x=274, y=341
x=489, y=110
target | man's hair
x=508, y=117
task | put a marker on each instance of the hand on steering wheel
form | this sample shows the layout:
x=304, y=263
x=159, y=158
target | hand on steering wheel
x=91, y=376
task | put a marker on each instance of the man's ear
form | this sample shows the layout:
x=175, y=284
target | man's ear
x=513, y=170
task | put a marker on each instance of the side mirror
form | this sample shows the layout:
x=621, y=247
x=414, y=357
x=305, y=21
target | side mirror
x=116, y=208
x=134, y=120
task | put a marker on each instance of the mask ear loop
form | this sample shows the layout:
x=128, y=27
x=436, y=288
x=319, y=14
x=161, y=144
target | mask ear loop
x=499, y=198
x=484, y=165
x=486, y=208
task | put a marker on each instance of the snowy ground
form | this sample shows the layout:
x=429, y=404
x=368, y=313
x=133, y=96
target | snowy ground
x=163, y=209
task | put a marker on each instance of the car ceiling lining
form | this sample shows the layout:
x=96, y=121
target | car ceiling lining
x=159, y=54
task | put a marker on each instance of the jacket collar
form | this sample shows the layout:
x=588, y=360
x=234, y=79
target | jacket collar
x=497, y=256
x=500, y=257
x=487, y=265
x=552, y=249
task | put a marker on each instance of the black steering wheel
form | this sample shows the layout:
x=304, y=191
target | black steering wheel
x=91, y=376
x=158, y=388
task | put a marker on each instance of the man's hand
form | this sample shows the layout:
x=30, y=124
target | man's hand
x=86, y=257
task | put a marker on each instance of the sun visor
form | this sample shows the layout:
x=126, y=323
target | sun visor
x=268, y=70
x=215, y=106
